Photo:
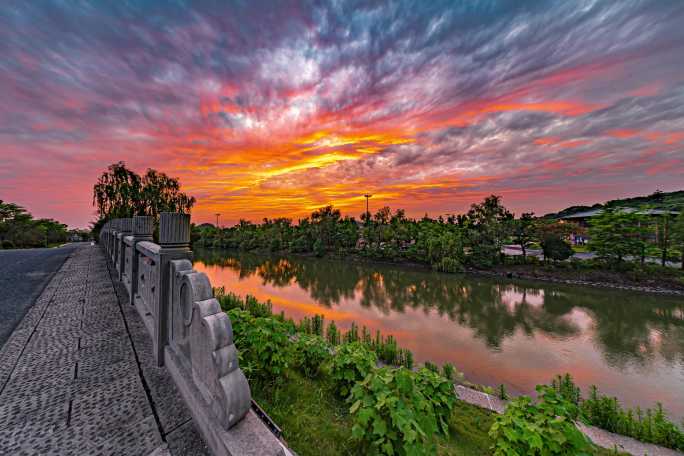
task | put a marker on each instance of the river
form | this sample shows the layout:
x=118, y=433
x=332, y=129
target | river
x=507, y=332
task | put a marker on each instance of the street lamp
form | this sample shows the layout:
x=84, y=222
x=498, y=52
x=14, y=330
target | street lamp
x=217, y=220
x=367, y=196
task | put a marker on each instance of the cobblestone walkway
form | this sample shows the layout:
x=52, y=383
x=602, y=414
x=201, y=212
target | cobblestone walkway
x=77, y=375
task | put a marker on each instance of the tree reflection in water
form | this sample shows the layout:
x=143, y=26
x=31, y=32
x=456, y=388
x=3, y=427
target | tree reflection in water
x=627, y=327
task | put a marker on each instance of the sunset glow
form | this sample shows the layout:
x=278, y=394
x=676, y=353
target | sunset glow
x=268, y=109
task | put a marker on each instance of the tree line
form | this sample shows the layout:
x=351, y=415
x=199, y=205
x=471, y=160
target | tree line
x=18, y=229
x=451, y=243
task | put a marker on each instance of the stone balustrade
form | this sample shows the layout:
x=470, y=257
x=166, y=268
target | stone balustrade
x=190, y=334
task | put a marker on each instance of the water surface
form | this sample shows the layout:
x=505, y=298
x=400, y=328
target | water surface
x=520, y=334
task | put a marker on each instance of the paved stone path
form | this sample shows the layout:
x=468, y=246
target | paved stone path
x=23, y=275
x=77, y=374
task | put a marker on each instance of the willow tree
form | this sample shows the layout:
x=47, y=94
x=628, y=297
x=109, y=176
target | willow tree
x=120, y=192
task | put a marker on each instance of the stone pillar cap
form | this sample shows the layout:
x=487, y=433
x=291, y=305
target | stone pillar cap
x=143, y=225
x=174, y=229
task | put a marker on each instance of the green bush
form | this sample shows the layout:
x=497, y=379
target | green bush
x=545, y=428
x=440, y=392
x=650, y=426
x=310, y=352
x=262, y=343
x=351, y=364
x=318, y=248
x=7, y=244
x=448, y=264
x=398, y=412
x=607, y=413
x=556, y=248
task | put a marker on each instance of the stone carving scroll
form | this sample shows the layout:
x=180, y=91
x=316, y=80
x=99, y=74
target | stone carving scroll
x=202, y=335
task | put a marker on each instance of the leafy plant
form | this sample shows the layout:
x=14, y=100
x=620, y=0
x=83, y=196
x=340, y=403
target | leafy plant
x=650, y=426
x=310, y=352
x=351, y=364
x=440, y=392
x=262, y=343
x=544, y=428
x=398, y=412
x=503, y=394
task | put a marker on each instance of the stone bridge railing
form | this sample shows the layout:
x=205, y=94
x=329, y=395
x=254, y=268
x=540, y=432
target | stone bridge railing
x=190, y=334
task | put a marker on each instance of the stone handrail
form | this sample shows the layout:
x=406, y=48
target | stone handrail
x=190, y=334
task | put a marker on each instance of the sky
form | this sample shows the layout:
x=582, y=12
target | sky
x=267, y=109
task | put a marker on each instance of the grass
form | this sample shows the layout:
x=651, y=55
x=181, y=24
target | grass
x=315, y=421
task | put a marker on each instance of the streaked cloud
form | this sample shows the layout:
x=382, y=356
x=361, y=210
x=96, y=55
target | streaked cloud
x=274, y=108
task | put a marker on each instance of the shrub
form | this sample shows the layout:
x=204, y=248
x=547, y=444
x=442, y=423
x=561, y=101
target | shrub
x=440, y=392
x=502, y=393
x=7, y=244
x=318, y=248
x=649, y=426
x=398, y=412
x=351, y=364
x=431, y=366
x=545, y=428
x=250, y=303
x=333, y=335
x=556, y=248
x=262, y=343
x=448, y=264
x=310, y=352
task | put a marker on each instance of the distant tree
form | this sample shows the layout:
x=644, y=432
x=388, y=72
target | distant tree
x=325, y=222
x=489, y=225
x=664, y=236
x=120, y=192
x=556, y=248
x=19, y=229
x=524, y=230
x=383, y=215
x=677, y=234
x=616, y=234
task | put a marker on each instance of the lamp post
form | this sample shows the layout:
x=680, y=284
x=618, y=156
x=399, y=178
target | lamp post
x=217, y=220
x=367, y=196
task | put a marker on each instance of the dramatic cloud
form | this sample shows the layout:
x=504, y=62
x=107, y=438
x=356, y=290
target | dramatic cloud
x=275, y=108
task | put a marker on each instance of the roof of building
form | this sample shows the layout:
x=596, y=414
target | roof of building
x=594, y=212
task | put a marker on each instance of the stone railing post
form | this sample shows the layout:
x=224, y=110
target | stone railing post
x=174, y=242
x=112, y=241
x=126, y=229
x=142, y=228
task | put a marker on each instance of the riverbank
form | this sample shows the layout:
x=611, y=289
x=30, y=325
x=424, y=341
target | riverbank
x=308, y=408
x=657, y=280
x=649, y=279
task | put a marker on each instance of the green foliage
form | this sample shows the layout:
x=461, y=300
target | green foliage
x=616, y=233
x=120, y=192
x=396, y=411
x=503, y=395
x=488, y=225
x=332, y=334
x=648, y=426
x=556, y=248
x=607, y=413
x=451, y=265
x=524, y=230
x=318, y=248
x=263, y=345
x=431, y=366
x=351, y=363
x=544, y=428
x=565, y=386
x=249, y=303
x=310, y=353
x=18, y=229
